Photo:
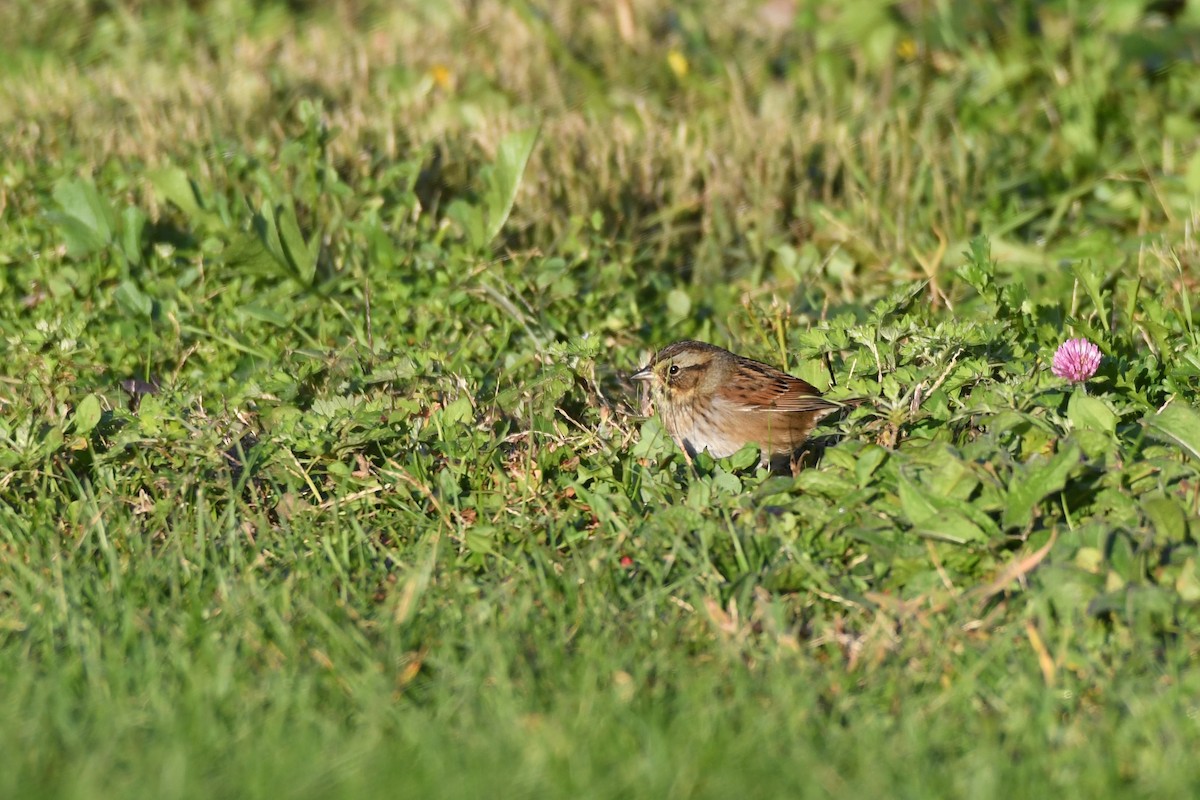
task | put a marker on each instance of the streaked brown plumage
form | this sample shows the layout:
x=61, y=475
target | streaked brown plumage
x=712, y=399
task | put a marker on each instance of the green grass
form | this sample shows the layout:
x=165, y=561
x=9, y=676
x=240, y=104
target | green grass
x=321, y=475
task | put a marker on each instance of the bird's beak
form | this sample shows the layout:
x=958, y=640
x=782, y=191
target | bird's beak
x=643, y=374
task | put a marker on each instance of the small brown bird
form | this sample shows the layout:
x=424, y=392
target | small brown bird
x=712, y=399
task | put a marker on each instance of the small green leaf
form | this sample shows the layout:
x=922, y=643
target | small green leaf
x=679, y=305
x=978, y=270
x=744, y=457
x=173, y=185
x=585, y=346
x=267, y=228
x=150, y=415
x=52, y=440
x=87, y=415
x=133, y=300
x=1095, y=444
x=1188, y=582
x=553, y=383
x=1090, y=559
x=1122, y=559
x=133, y=222
x=915, y=502
x=869, y=460
x=481, y=541
x=1166, y=515
x=448, y=486
x=653, y=439
x=457, y=411
x=279, y=319
x=1192, y=174
x=1091, y=277
x=300, y=257
x=726, y=482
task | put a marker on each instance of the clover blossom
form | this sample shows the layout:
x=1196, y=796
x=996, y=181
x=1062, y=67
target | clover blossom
x=1076, y=360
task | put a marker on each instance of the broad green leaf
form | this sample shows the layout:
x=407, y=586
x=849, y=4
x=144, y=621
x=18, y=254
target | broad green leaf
x=79, y=199
x=471, y=219
x=81, y=241
x=1122, y=558
x=828, y=483
x=940, y=517
x=504, y=178
x=480, y=541
x=947, y=476
x=1178, y=424
x=1090, y=559
x=247, y=252
x=915, y=502
x=1090, y=413
x=87, y=415
x=1035, y=482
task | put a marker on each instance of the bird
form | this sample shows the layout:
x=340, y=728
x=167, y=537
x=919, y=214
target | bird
x=712, y=399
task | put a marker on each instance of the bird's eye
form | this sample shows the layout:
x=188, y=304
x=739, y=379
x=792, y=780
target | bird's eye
x=674, y=370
